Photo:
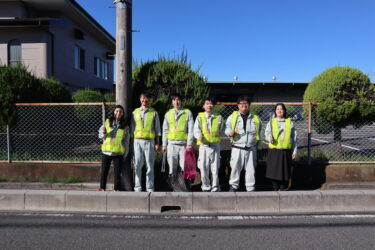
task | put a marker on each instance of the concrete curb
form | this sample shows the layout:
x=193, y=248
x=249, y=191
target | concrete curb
x=197, y=203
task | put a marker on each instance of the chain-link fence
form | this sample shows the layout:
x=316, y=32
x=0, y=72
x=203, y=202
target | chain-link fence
x=265, y=111
x=318, y=141
x=3, y=143
x=69, y=133
x=350, y=144
x=56, y=132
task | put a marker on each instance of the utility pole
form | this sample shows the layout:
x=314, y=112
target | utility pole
x=124, y=72
x=124, y=54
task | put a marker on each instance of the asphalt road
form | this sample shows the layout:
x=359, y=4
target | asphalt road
x=72, y=231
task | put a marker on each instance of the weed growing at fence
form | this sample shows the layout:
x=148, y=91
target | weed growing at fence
x=67, y=180
x=24, y=179
x=50, y=179
x=70, y=179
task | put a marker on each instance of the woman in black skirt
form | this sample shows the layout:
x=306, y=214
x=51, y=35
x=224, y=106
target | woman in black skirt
x=282, y=148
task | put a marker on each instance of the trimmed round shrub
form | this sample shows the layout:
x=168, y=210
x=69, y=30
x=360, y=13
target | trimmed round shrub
x=17, y=86
x=87, y=113
x=346, y=97
x=110, y=97
x=54, y=91
x=88, y=95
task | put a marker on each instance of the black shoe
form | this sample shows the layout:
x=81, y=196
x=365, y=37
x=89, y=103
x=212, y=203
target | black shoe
x=232, y=189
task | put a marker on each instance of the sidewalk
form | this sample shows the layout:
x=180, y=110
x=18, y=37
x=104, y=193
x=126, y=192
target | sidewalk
x=87, y=186
x=80, y=197
x=91, y=186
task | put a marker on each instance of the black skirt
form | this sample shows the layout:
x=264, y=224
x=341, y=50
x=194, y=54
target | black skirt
x=279, y=164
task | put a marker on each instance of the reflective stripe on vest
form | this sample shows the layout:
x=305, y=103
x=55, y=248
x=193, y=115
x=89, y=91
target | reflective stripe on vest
x=285, y=143
x=235, y=129
x=145, y=132
x=113, y=145
x=177, y=132
x=209, y=137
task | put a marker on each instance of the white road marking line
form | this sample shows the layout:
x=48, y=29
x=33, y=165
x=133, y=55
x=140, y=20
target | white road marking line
x=352, y=216
x=344, y=146
x=220, y=217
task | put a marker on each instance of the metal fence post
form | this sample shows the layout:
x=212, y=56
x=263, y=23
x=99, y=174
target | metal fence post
x=103, y=113
x=309, y=135
x=8, y=144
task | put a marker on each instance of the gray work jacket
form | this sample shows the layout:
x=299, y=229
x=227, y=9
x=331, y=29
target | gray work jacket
x=244, y=138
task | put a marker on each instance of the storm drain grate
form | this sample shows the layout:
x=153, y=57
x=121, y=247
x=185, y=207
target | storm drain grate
x=170, y=209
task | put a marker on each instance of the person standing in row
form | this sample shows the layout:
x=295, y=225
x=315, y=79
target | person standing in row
x=244, y=130
x=282, y=148
x=208, y=128
x=178, y=128
x=115, y=147
x=145, y=126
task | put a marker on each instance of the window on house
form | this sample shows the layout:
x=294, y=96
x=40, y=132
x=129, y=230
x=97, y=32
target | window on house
x=79, y=58
x=14, y=53
x=101, y=68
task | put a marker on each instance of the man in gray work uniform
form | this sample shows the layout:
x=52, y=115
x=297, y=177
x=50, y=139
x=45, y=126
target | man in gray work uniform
x=208, y=128
x=145, y=127
x=244, y=130
x=178, y=128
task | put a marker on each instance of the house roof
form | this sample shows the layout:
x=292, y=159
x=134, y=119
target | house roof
x=72, y=10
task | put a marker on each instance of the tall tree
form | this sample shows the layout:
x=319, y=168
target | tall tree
x=167, y=76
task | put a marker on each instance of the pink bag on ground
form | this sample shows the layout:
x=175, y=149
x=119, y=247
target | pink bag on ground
x=190, y=164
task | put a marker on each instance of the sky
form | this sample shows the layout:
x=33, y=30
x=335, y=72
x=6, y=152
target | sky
x=293, y=40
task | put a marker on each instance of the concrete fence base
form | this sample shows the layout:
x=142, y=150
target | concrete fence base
x=158, y=203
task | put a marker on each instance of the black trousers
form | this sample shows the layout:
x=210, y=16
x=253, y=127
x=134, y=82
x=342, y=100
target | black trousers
x=118, y=161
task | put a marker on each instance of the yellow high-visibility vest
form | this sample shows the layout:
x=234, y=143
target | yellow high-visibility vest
x=284, y=143
x=235, y=115
x=113, y=145
x=209, y=137
x=140, y=131
x=177, y=132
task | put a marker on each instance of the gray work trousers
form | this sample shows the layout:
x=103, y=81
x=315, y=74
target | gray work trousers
x=209, y=162
x=175, y=157
x=144, y=152
x=243, y=159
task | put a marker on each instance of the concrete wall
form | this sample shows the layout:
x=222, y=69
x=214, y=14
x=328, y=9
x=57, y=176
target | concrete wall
x=37, y=172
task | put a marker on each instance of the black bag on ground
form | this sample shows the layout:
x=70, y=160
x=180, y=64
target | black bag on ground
x=175, y=180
